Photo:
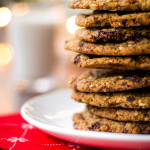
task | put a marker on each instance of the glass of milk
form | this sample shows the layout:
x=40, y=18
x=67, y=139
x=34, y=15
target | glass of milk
x=32, y=37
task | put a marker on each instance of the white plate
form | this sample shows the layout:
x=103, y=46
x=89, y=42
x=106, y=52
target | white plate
x=52, y=113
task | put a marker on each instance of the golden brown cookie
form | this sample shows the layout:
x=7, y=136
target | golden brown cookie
x=119, y=5
x=111, y=34
x=138, y=47
x=103, y=19
x=115, y=63
x=120, y=114
x=136, y=99
x=110, y=81
x=90, y=122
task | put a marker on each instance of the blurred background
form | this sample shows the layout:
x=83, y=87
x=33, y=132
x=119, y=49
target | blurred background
x=32, y=56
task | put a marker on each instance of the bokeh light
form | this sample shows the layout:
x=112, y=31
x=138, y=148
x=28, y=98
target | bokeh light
x=20, y=9
x=5, y=16
x=6, y=54
x=71, y=26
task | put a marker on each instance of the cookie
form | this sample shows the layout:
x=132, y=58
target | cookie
x=120, y=114
x=134, y=99
x=111, y=34
x=119, y=5
x=110, y=81
x=115, y=63
x=138, y=47
x=100, y=19
x=90, y=122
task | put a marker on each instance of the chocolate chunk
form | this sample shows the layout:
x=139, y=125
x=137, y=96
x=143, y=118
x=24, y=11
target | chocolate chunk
x=124, y=22
x=81, y=44
x=77, y=59
x=142, y=128
x=125, y=131
x=75, y=87
x=89, y=128
x=124, y=83
x=133, y=78
x=135, y=106
x=96, y=125
x=79, y=100
x=75, y=123
x=105, y=87
x=130, y=98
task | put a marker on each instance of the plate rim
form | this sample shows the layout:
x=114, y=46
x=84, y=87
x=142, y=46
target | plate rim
x=81, y=133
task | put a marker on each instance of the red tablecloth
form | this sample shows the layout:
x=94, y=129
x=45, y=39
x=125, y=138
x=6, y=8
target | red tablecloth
x=17, y=134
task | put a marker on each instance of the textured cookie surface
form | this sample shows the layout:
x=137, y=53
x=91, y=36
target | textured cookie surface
x=100, y=19
x=110, y=81
x=115, y=63
x=119, y=5
x=120, y=114
x=111, y=34
x=87, y=121
x=139, y=47
x=136, y=99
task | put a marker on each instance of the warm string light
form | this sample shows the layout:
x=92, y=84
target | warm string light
x=71, y=26
x=5, y=16
x=20, y=9
x=6, y=54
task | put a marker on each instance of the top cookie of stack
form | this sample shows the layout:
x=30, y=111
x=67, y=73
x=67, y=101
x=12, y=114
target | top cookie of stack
x=109, y=34
x=118, y=5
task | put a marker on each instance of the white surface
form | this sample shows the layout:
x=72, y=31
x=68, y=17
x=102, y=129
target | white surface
x=53, y=112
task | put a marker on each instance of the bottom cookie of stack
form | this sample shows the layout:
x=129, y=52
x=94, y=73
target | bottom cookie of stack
x=88, y=121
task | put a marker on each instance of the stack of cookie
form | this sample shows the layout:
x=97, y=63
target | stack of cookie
x=118, y=99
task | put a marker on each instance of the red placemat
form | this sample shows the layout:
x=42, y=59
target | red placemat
x=17, y=134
